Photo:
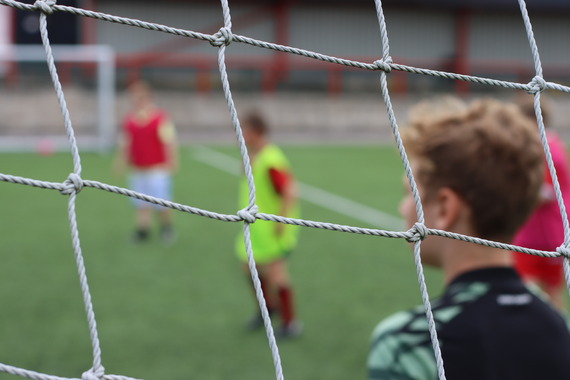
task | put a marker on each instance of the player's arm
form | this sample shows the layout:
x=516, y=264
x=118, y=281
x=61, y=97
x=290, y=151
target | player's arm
x=546, y=193
x=560, y=161
x=284, y=185
x=167, y=134
x=398, y=354
x=383, y=365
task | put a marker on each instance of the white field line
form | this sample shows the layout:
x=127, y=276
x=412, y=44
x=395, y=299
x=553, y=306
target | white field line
x=309, y=193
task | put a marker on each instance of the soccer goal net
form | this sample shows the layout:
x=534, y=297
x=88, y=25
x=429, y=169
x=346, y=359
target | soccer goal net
x=87, y=73
x=220, y=40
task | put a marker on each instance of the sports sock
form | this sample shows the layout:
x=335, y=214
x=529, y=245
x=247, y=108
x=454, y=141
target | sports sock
x=266, y=294
x=286, y=304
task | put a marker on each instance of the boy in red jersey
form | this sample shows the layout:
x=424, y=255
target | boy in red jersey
x=543, y=230
x=148, y=148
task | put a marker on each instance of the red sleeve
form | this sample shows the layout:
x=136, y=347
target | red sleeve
x=547, y=178
x=280, y=179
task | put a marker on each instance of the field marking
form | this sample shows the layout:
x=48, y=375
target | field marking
x=308, y=193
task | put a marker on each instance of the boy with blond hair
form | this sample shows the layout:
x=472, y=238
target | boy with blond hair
x=478, y=170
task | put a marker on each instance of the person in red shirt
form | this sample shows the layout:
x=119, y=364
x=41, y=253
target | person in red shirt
x=148, y=148
x=544, y=230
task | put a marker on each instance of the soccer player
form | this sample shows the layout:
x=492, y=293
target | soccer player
x=276, y=193
x=148, y=148
x=478, y=171
x=543, y=230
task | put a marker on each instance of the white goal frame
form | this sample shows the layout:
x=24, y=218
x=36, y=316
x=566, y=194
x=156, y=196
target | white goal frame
x=104, y=58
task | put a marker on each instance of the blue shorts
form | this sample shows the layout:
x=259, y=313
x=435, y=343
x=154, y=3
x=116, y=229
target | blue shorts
x=156, y=183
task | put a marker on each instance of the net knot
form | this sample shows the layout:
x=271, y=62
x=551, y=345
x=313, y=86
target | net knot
x=537, y=84
x=384, y=64
x=223, y=37
x=45, y=6
x=248, y=214
x=73, y=184
x=564, y=251
x=417, y=232
x=93, y=375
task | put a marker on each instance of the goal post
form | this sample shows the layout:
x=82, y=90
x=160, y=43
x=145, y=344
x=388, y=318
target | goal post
x=88, y=77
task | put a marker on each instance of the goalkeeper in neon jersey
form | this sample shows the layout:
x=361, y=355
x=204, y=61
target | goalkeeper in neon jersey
x=479, y=170
x=276, y=193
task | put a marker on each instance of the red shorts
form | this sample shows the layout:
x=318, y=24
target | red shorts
x=542, y=269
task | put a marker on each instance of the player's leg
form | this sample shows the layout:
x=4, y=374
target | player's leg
x=143, y=214
x=279, y=279
x=256, y=321
x=160, y=187
x=166, y=230
x=143, y=221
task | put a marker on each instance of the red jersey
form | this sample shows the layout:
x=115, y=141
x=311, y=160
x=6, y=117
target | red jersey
x=544, y=229
x=145, y=147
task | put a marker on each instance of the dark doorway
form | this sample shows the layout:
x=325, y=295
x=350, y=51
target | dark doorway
x=63, y=28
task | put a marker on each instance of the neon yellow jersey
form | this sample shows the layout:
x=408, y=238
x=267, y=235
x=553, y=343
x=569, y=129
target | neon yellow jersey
x=267, y=245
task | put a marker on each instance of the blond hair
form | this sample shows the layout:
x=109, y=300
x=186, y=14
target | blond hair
x=489, y=154
x=526, y=105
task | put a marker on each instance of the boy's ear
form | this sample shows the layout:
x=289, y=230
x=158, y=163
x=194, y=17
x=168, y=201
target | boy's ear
x=450, y=207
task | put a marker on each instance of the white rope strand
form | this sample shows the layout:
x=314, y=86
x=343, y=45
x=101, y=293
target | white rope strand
x=411, y=235
x=538, y=85
x=45, y=6
x=531, y=39
x=226, y=33
x=221, y=39
x=415, y=193
x=92, y=324
x=41, y=376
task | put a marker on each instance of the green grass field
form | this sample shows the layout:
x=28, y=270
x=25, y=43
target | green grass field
x=177, y=312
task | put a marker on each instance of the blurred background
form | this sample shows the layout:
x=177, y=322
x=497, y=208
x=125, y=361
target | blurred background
x=177, y=312
x=305, y=99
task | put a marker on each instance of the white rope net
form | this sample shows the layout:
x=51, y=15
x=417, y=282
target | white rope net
x=220, y=40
